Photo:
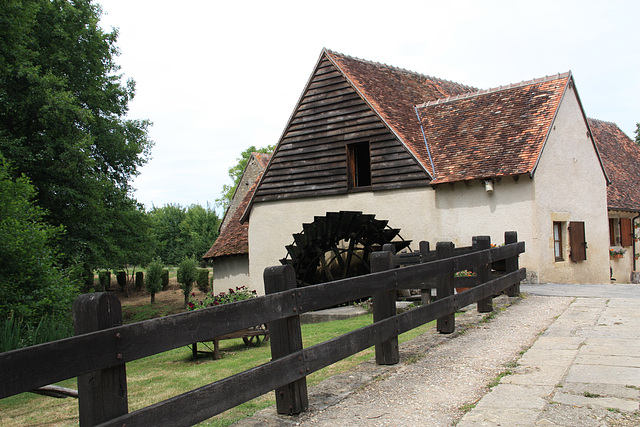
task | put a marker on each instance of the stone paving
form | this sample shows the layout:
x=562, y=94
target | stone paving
x=583, y=370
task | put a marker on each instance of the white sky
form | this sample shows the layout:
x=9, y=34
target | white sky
x=217, y=77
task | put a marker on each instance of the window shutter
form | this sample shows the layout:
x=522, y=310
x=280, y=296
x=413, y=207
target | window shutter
x=626, y=232
x=577, y=241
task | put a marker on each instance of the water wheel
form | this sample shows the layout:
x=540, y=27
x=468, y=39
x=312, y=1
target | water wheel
x=338, y=245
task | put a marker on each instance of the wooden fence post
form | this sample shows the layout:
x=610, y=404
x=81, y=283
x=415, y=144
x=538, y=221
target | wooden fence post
x=384, y=305
x=485, y=305
x=444, y=285
x=511, y=264
x=425, y=294
x=102, y=395
x=285, y=336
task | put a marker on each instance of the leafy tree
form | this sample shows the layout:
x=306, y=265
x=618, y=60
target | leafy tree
x=200, y=229
x=179, y=232
x=32, y=285
x=129, y=244
x=187, y=275
x=62, y=118
x=235, y=173
x=153, y=280
x=638, y=133
x=167, y=235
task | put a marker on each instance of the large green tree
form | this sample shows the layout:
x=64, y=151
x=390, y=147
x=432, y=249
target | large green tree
x=63, y=122
x=31, y=283
x=235, y=173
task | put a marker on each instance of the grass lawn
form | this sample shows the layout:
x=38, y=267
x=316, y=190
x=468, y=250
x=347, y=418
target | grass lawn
x=162, y=376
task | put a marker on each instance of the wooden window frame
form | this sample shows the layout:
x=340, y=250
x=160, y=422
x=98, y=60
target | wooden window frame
x=359, y=165
x=558, y=251
x=613, y=224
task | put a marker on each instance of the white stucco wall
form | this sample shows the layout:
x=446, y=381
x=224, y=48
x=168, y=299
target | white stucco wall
x=230, y=272
x=570, y=186
x=452, y=213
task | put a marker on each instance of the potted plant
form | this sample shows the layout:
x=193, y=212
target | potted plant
x=464, y=280
x=617, y=253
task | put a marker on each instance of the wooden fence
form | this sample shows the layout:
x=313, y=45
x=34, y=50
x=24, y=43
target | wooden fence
x=97, y=356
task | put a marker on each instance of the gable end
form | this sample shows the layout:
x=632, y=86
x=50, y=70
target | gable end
x=311, y=157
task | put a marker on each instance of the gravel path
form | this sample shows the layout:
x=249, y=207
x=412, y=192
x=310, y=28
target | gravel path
x=438, y=377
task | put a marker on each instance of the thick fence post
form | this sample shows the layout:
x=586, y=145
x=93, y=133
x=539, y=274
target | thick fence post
x=511, y=264
x=102, y=395
x=384, y=305
x=286, y=338
x=425, y=294
x=445, y=324
x=485, y=305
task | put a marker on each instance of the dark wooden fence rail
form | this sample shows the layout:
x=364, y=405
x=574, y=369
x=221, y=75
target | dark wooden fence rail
x=100, y=351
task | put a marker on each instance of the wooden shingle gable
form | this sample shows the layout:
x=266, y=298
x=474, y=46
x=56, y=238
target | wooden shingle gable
x=311, y=157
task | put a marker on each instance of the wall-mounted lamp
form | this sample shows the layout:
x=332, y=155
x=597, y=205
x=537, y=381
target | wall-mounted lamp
x=488, y=185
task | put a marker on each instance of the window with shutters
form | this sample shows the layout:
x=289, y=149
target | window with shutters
x=359, y=165
x=621, y=232
x=577, y=241
x=557, y=241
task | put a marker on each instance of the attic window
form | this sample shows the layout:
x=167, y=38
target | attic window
x=359, y=165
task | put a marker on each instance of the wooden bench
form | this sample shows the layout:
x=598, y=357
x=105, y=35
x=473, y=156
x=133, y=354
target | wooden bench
x=248, y=336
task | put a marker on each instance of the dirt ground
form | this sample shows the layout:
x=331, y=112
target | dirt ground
x=168, y=301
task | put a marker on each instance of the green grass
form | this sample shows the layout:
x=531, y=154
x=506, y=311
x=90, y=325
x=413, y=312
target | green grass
x=159, y=377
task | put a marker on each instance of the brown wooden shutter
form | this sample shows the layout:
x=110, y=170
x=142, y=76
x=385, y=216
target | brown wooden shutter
x=626, y=232
x=577, y=241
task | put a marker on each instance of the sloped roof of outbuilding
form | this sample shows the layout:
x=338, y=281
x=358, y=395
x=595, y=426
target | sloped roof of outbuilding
x=234, y=238
x=621, y=158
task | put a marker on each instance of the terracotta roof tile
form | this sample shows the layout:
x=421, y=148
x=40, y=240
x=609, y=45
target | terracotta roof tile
x=234, y=238
x=491, y=133
x=393, y=92
x=621, y=158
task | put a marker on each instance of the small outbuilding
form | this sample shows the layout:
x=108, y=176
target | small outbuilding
x=229, y=254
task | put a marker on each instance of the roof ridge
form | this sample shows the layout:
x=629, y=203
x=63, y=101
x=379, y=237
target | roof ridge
x=602, y=121
x=495, y=89
x=393, y=67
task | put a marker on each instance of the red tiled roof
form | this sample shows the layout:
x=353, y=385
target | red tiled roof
x=393, y=92
x=234, y=238
x=621, y=158
x=491, y=133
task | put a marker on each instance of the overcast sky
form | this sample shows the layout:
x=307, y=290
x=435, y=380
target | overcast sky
x=217, y=77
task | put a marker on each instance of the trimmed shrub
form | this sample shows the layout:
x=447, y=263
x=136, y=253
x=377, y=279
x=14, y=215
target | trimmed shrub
x=187, y=274
x=121, y=278
x=105, y=280
x=155, y=274
x=139, y=279
x=165, y=279
x=203, y=280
